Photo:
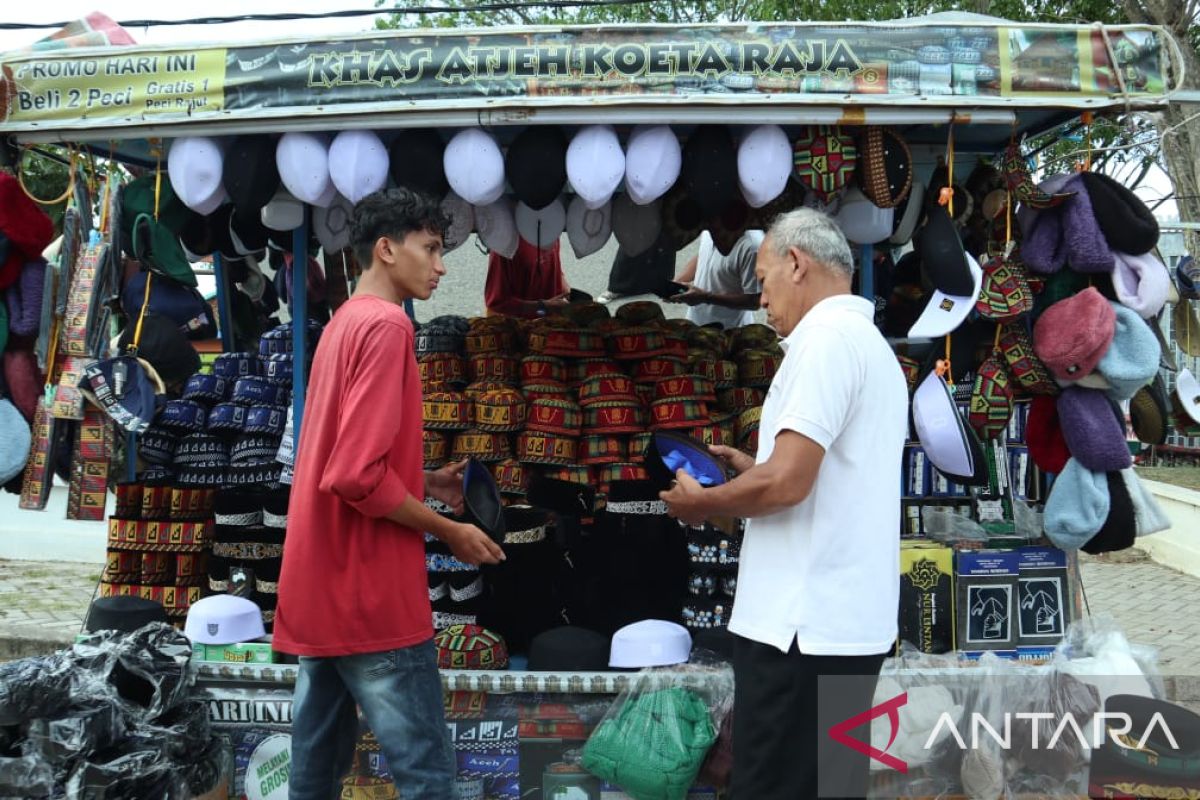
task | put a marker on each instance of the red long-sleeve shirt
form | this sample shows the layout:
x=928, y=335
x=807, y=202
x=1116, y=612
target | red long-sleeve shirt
x=528, y=275
x=352, y=580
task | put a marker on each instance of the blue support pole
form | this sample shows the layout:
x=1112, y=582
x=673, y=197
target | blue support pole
x=224, y=309
x=866, y=267
x=299, y=321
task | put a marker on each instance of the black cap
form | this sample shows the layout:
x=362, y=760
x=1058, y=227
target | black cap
x=1127, y=223
x=569, y=649
x=165, y=347
x=415, y=161
x=125, y=614
x=942, y=255
x=250, y=175
x=481, y=499
x=199, y=234
x=536, y=165
x=709, y=170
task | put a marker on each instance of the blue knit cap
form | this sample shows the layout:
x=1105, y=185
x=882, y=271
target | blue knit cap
x=1131, y=361
x=1077, y=507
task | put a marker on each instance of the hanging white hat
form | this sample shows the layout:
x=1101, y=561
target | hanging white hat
x=496, y=227
x=284, y=212
x=1188, y=389
x=541, y=227
x=595, y=164
x=332, y=224
x=636, y=226
x=195, y=165
x=358, y=164
x=862, y=221
x=943, y=313
x=474, y=167
x=912, y=208
x=462, y=221
x=588, y=229
x=764, y=164
x=303, y=162
x=653, y=158
x=948, y=443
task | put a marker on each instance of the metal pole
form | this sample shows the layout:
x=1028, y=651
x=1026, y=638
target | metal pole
x=299, y=320
x=866, y=266
x=224, y=309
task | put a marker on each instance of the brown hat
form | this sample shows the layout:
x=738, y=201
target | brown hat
x=740, y=398
x=606, y=387
x=640, y=312
x=493, y=339
x=601, y=449
x=446, y=410
x=554, y=416
x=756, y=368
x=482, y=446
x=674, y=413
x=685, y=387
x=535, y=447
x=442, y=368
x=435, y=449
x=635, y=343
x=499, y=411
x=569, y=342
x=615, y=416
x=651, y=370
x=511, y=477
x=536, y=369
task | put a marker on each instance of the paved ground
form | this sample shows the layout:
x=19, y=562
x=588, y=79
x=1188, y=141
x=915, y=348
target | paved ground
x=42, y=604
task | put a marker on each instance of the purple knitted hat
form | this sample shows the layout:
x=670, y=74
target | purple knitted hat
x=1068, y=234
x=25, y=299
x=1093, y=430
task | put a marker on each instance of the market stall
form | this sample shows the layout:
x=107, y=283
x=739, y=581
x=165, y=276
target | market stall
x=252, y=156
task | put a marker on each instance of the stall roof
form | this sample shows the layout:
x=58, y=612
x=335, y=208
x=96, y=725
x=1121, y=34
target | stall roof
x=987, y=72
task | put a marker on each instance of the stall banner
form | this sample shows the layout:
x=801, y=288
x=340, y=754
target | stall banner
x=545, y=66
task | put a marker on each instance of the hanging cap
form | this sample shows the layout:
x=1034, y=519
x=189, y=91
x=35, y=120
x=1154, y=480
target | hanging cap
x=462, y=221
x=474, y=167
x=541, y=227
x=595, y=164
x=416, y=157
x=588, y=229
x=536, y=165
x=497, y=228
x=250, y=174
x=653, y=159
x=945, y=312
x=710, y=168
x=636, y=227
x=195, y=166
x=950, y=444
x=332, y=224
x=764, y=160
x=284, y=212
x=303, y=162
x=861, y=220
x=358, y=164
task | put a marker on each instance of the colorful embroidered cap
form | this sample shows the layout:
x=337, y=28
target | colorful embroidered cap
x=442, y=368
x=1005, y=293
x=554, y=416
x=511, y=476
x=567, y=342
x=615, y=416
x=539, y=369
x=582, y=370
x=640, y=312
x=757, y=368
x=824, y=159
x=446, y=410
x=494, y=367
x=499, y=411
x=470, y=647
x=676, y=413
x=480, y=445
x=435, y=449
x=601, y=449
x=740, y=398
x=1027, y=370
x=685, y=387
x=635, y=343
x=604, y=388
x=651, y=370
x=991, y=399
x=535, y=447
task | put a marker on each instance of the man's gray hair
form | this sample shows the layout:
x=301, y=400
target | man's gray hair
x=813, y=233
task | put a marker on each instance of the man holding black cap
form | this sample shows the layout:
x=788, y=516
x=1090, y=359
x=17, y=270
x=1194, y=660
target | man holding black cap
x=353, y=600
x=818, y=582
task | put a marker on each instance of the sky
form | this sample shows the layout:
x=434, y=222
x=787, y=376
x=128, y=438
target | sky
x=62, y=10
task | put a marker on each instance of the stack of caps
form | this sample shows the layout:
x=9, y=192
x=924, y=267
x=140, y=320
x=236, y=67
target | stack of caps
x=247, y=551
x=455, y=587
x=445, y=410
x=158, y=543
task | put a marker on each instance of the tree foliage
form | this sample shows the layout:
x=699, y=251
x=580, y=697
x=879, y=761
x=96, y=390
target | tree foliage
x=46, y=178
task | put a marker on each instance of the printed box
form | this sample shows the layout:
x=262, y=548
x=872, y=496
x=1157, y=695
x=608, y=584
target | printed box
x=926, y=597
x=987, y=599
x=246, y=653
x=1044, y=596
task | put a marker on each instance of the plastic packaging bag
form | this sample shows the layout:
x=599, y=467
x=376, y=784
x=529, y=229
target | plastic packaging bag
x=1095, y=651
x=25, y=777
x=657, y=733
x=126, y=774
x=79, y=733
x=950, y=527
x=1036, y=767
x=34, y=687
x=152, y=670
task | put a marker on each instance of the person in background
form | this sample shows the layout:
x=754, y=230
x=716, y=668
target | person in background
x=353, y=599
x=722, y=289
x=819, y=575
x=529, y=284
x=645, y=273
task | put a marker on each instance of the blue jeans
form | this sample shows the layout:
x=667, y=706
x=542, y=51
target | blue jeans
x=400, y=693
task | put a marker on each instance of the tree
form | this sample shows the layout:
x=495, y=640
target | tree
x=46, y=178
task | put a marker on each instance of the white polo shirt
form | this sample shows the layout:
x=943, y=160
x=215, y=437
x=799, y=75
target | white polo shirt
x=826, y=572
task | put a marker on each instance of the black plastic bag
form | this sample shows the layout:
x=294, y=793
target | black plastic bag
x=34, y=687
x=121, y=774
x=152, y=671
x=79, y=733
x=25, y=778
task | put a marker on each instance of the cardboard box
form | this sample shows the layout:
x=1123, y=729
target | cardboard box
x=926, y=597
x=246, y=653
x=1044, y=597
x=987, y=599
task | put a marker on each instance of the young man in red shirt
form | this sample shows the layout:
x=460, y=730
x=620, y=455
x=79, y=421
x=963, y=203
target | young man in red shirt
x=353, y=599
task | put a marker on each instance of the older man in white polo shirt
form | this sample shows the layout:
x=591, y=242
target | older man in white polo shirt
x=818, y=587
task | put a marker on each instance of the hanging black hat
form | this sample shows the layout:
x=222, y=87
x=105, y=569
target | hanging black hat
x=709, y=169
x=942, y=255
x=1127, y=223
x=415, y=161
x=536, y=165
x=250, y=175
